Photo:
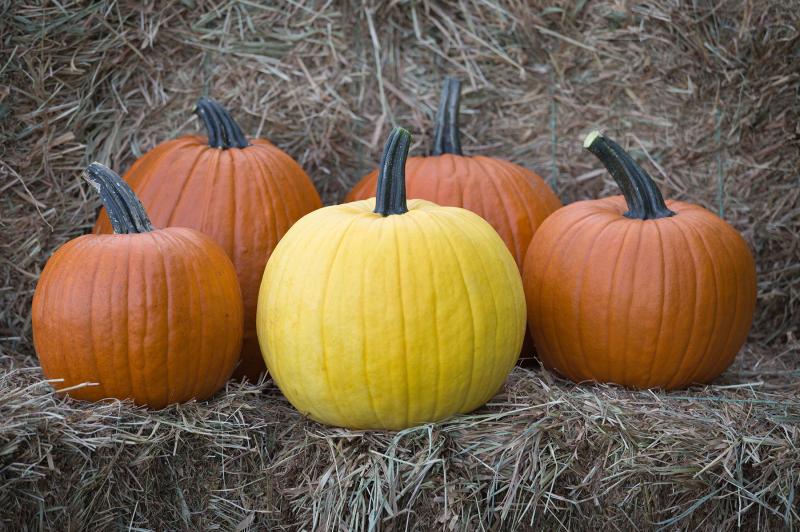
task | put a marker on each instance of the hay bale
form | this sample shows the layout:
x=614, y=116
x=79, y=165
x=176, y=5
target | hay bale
x=705, y=94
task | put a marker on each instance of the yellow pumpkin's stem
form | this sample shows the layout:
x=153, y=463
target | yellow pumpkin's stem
x=390, y=197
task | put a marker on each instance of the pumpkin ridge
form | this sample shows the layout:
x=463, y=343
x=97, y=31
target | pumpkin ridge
x=230, y=175
x=684, y=351
x=739, y=296
x=722, y=244
x=215, y=361
x=201, y=257
x=508, y=169
x=325, y=291
x=58, y=286
x=454, y=253
x=146, y=287
x=128, y=270
x=172, y=240
x=164, y=157
x=294, y=186
x=90, y=326
x=467, y=238
x=423, y=237
x=286, y=179
x=609, y=332
x=726, y=324
x=508, y=225
x=714, y=321
x=402, y=321
x=168, y=297
x=663, y=304
x=548, y=318
x=118, y=381
x=636, y=255
x=266, y=196
x=364, y=347
x=268, y=162
x=184, y=185
x=579, y=291
x=195, y=269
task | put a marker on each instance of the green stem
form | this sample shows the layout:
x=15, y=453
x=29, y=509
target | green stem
x=124, y=209
x=447, y=137
x=390, y=198
x=223, y=131
x=641, y=193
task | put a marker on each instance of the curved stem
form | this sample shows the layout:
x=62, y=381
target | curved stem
x=223, y=131
x=390, y=198
x=447, y=137
x=124, y=209
x=644, y=200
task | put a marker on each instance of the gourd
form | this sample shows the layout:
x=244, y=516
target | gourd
x=513, y=199
x=152, y=315
x=637, y=291
x=243, y=193
x=383, y=314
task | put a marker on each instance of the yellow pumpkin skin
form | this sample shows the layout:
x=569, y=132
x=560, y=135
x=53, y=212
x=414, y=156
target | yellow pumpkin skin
x=385, y=322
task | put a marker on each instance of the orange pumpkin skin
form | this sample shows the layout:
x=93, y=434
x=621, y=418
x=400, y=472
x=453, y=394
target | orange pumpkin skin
x=244, y=198
x=645, y=303
x=514, y=200
x=155, y=317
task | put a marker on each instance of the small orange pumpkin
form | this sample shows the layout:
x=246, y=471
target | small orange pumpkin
x=637, y=291
x=244, y=194
x=153, y=315
x=513, y=199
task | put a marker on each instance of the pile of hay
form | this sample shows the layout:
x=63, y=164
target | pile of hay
x=704, y=95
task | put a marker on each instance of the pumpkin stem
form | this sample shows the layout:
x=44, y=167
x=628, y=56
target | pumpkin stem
x=223, y=131
x=124, y=209
x=447, y=137
x=390, y=198
x=644, y=200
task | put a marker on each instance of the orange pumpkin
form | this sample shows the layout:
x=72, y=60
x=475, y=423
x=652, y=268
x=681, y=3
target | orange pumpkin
x=244, y=194
x=514, y=200
x=143, y=314
x=636, y=291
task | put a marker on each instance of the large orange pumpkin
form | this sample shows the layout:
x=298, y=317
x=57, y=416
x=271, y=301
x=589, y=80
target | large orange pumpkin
x=244, y=194
x=153, y=315
x=636, y=291
x=513, y=199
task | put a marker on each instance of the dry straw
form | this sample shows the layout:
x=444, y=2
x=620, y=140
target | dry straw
x=705, y=95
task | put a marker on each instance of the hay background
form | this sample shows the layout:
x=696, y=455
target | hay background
x=698, y=91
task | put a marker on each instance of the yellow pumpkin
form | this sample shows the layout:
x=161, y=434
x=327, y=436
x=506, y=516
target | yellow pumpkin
x=387, y=314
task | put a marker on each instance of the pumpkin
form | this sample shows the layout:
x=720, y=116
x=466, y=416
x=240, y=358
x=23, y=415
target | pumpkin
x=244, y=194
x=152, y=315
x=637, y=291
x=513, y=199
x=383, y=314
